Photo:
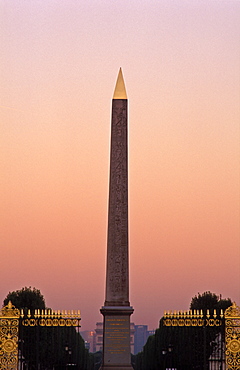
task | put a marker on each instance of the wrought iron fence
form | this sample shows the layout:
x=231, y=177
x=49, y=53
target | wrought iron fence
x=41, y=340
x=194, y=340
x=50, y=340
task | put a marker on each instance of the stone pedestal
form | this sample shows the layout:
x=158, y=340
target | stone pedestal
x=116, y=340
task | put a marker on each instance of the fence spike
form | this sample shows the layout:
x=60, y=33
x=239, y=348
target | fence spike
x=221, y=313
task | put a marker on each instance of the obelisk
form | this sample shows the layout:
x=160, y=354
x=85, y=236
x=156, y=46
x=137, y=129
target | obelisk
x=117, y=310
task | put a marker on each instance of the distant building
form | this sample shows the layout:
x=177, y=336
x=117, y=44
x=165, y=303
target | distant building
x=89, y=339
x=140, y=337
x=99, y=336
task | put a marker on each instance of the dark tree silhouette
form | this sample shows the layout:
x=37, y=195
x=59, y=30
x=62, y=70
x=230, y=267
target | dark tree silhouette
x=26, y=298
x=210, y=301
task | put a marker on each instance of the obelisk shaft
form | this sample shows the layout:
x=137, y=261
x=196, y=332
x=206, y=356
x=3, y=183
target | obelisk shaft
x=117, y=309
x=117, y=290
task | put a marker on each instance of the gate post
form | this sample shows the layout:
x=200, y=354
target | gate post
x=232, y=337
x=9, y=325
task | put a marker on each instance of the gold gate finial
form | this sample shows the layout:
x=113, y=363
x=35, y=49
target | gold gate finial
x=9, y=305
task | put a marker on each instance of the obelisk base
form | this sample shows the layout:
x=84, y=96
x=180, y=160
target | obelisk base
x=116, y=337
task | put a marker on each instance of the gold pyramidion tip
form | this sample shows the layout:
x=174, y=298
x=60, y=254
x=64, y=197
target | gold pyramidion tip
x=120, y=90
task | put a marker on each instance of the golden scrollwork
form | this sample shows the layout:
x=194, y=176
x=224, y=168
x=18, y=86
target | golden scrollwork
x=51, y=322
x=51, y=318
x=192, y=318
x=9, y=322
x=9, y=311
x=8, y=345
x=233, y=311
x=232, y=337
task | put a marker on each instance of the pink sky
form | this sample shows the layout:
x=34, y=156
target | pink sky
x=181, y=64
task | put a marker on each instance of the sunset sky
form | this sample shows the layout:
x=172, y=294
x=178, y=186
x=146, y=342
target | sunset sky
x=59, y=60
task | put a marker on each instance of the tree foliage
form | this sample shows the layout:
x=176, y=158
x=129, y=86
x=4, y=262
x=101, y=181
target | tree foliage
x=26, y=298
x=210, y=301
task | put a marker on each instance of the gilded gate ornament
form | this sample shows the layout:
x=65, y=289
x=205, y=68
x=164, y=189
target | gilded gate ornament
x=193, y=318
x=9, y=323
x=232, y=337
x=50, y=317
x=11, y=317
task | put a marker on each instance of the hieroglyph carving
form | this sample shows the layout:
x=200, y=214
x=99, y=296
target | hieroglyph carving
x=118, y=206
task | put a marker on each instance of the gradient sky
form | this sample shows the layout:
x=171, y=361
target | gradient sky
x=59, y=62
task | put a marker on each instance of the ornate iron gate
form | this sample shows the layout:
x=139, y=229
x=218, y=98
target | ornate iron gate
x=217, y=329
x=27, y=338
x=217, y=335
x=232, y=337
x=9, y=326
x=197, y=340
